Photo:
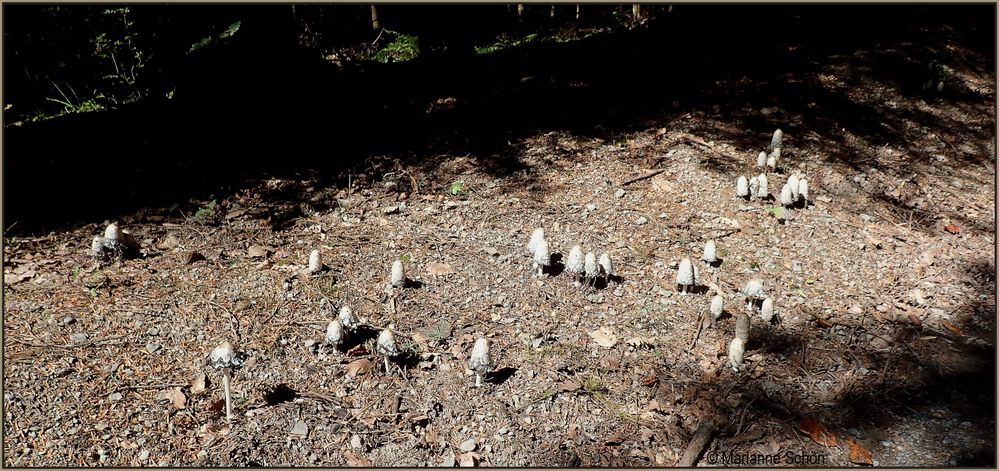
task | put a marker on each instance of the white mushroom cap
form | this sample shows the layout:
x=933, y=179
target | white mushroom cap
x=709, y=252
x=776, y=141
x=574, y=264
x=767, y=311
x=347, y=319
x=542, y=256
x=717, y=306
x=112, y=234
x=736, y=350
x=772, y=161
x=315, y=264
x=792, y=183
x=761, y=160
x=590, y=265
x=536, y=236
x=386, y=344
x=97, y=247
x=225, y=356
x=742, y=186
x=334, y=333
x=606, y=264
x=685, y=274
x=785, y=196
x=480, y=362
x=763, y=189
x=754, y=290
x=398, y=275
x=803, y=188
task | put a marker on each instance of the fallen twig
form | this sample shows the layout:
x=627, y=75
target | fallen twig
x=641, y=177
x=698, y=444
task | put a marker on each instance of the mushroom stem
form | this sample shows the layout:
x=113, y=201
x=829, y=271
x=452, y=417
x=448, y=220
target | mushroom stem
x=228, y=399
x=478, y=380
x=386, y=364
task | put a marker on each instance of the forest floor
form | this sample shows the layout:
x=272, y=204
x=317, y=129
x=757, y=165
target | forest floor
x=884, y=286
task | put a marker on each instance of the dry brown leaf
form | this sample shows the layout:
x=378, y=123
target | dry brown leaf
x=654, y=405
x=468, y=460
x=754, y=433
x=915, y=319
x=198, y=383
x=817, y=432
x=952, y=228
x=355, y=461
x=176, y=397
x=951, y=327
x=610, y=361
x=195, y=257
x=650, y=380
x=258, y=251
x=568, y=385
x=439, y=269
x=359, y=367
x=604, y=337
x=859, y=454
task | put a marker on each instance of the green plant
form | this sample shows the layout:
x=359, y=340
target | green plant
x=455, y=187
x=206, y=212
x=776, y=211
x=403, y=48
x=207, y=40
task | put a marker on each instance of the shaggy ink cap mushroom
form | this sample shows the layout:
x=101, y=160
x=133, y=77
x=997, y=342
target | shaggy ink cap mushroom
x=803, y=190
x=574, y=264
x=754, y=185
x=335, y=334
x=717, y=306
x=786, y=199
x=398, y=278
x=480, y=362
x=225, y=356
x=710, y=254
x=763, y=186
x=315, y=262
x=742, y=187
x=536, y=237
x=685, y=275
x=742, y=324
x=736, y=350
x=777, y=139
x=792, y=183
x=767, y=311
x=761, y=160
x=385, y=345
x=347, y=319
x=590, y=266
x=606, y=265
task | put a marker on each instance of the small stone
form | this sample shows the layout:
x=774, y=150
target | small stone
x=152, y=347
x=144, y=455
x=300, y=429
x=595, y=298
x=619, y=193
x=115, y=396
x=78, y=337
x=866, y=217
x=642, y=220
x=68, y=320
x=310, y=344
x=448, y=461
x=591, y=207
x=153, y=331
x=467, y=445
x=619, y=292
x=390, y=210
x=491, y=251
x=355, y=442
x=795, y=266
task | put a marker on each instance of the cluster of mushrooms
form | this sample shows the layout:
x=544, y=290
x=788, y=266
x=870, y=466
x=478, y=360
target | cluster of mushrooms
x=584, y=268
x=793, y=194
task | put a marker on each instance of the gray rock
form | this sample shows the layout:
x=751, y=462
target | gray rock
x=642, y=220
x=144, y=455
x=448, y=461
x=152, y=347
x=78, y=337
x=300, y=429
x=153, y=331
x=68, y=320
x=467, y=445
x=619, y=193
x=591, y=207
x=115, y=396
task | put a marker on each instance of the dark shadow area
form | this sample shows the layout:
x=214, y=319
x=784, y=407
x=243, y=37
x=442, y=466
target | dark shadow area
x=279, y=394
x=359, y=336
x=500, y=376
x=412, y=284
x=406, y=359
x=267, y=108
x=555, y=265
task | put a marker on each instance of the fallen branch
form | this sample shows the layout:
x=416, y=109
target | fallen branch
x=698, y=444
x=703, y=143
x=641, y=177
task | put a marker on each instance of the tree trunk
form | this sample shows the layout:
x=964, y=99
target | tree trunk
x=636, y=12
x=375, y=24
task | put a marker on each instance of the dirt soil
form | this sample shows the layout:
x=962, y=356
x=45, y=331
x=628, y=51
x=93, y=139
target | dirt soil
x=884, y=286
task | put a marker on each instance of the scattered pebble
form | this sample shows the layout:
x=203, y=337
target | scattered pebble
x=642, y=220
x=467, y=445
x=619, y=193
x=152, y=347
x=78, y=337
